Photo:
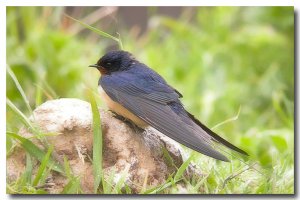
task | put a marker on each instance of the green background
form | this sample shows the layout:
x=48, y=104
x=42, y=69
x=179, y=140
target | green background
x=220, y=58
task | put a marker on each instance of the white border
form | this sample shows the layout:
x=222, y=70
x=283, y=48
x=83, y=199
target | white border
x=3, y=5
x=2, y=99
x=151, y=3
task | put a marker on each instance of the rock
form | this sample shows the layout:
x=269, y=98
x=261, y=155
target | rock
x=125, y=147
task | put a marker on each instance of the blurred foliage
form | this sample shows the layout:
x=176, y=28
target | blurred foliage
x=219, y=58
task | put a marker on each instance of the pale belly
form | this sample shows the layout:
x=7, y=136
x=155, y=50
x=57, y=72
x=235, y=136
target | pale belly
x=121, y=110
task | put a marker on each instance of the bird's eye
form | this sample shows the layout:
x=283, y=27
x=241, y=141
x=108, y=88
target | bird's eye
x=108, y=63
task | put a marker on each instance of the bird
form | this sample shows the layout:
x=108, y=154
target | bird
x=138, y=93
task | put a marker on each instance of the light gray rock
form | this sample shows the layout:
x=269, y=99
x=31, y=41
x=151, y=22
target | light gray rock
x=125, y=147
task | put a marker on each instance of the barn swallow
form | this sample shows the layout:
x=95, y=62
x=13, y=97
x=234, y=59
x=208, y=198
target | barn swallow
x=136, y=92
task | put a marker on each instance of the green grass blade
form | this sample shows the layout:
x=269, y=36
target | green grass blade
x=9, y=145
x=48, y=90
x=72, y=187
x=34, y=151
x=67, y=167
x=120, y=41
x=169, y=160
x=228, y=120
x=44, y=176
x=168, y=184
x=14, y=144
x=109, y=183
x=42, y=167
x=38, y=96
x=34, y=129
x=48, y=134
x=28, y=169
x=201, y=182
x=121, y=181
x=97, y=143
x=19, y=87
x=127, y=189
x=22, y=117
x=99, y=32
x=182, y=168
x=159, y=188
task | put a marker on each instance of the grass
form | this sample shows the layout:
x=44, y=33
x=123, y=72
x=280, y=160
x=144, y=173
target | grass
x=97, y=143
x=224, y=60
x=99, y=32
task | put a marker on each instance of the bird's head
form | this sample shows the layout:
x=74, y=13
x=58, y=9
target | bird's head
x=114, y=61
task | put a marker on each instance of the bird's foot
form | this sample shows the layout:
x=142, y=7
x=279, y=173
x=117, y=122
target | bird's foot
x=130, y=123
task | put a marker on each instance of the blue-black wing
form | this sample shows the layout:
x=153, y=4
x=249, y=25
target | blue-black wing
x=157, y=103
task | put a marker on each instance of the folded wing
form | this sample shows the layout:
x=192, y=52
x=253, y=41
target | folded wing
x=159, y=106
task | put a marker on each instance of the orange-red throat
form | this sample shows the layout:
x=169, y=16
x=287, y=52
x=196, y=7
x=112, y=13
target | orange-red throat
x=101, y=69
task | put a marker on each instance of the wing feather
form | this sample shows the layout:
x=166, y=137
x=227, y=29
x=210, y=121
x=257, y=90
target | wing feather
x=162, y=118
x=158, y=104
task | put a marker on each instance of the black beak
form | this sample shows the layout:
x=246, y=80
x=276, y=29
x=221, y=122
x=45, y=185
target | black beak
x=94, y=65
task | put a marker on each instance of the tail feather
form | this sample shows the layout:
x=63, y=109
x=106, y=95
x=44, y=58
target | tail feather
x=217, y=137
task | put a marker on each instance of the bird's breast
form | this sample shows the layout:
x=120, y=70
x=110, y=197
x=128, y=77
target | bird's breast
x=121, y=110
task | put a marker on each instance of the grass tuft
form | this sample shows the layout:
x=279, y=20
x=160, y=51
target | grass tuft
x=19, y=87
x=36, y=152
x=72, y=187
x=42, y=167
x=21, y=116
x=97, y=143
